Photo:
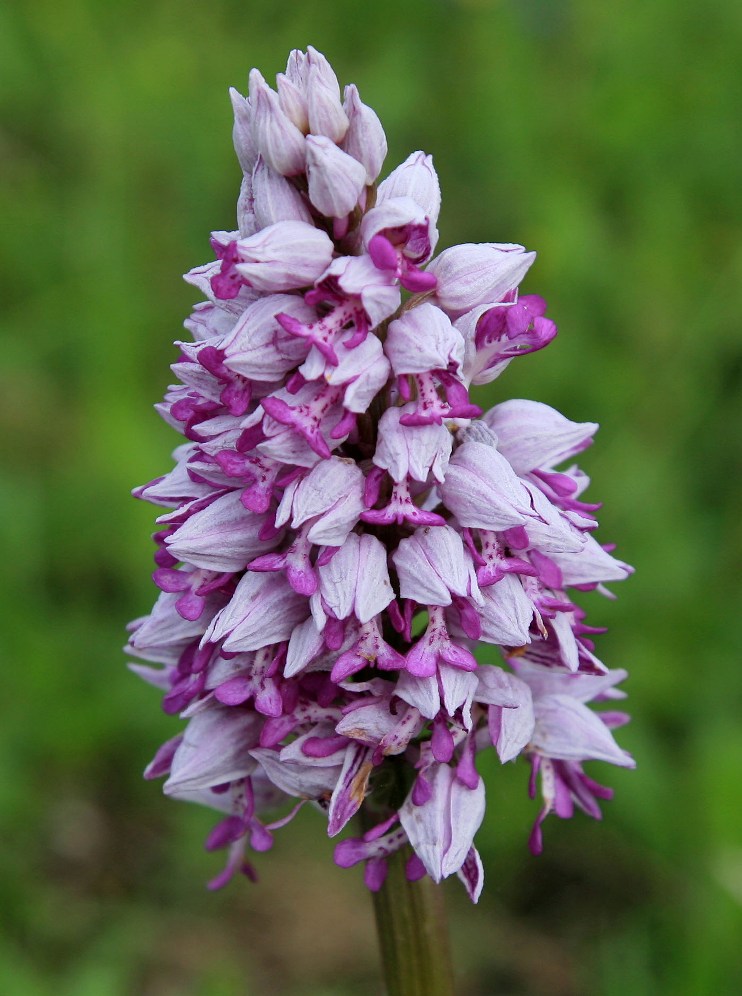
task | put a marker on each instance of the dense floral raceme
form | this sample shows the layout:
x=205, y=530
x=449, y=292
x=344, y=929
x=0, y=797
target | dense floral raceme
x=344, y=525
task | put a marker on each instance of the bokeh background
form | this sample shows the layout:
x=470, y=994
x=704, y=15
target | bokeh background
x=607, y=137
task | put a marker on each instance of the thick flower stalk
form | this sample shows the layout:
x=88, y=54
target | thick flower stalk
x=344, y=525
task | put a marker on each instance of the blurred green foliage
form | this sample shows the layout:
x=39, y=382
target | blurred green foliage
x=606, y=137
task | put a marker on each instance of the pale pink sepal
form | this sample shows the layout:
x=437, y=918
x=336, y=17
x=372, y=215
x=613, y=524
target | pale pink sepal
x=215, y=750
x=482, y=490
x=304, y=779
x=532, y=435
x=263, y=610
x=566, y=730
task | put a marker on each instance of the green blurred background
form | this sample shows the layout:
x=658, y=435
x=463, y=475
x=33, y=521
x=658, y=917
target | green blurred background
x=605, y=136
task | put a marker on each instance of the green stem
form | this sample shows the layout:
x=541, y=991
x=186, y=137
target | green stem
x=411, y=924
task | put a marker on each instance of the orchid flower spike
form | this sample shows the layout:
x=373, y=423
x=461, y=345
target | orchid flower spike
x=343, y=524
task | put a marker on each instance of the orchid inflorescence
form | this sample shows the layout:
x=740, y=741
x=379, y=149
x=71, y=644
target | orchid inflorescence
x=344, y=525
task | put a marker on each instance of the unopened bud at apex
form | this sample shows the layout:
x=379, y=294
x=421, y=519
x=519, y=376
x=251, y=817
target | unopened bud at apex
x=326, y=114
x=335, y=178
x=365, y=139
x=277, y=138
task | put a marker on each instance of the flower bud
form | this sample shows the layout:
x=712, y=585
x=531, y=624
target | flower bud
x=297, y=66
x=473, y=274
x=365, y=139
x=335, y=178
x=415, y=178
x=293, y=102
x=315, y=61
x=277, y=138
x=424, y=339
x=276, y=198
x=326, y=114
x=284, y=256
x=244, y=144
x=414, y=451
x=246, y=223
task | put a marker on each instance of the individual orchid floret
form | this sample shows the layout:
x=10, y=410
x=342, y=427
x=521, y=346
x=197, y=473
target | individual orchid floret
x=329, y=498
x=343, y=526
x=483, y=490
x=359, y=298
x=258, y=348
x=515, y=327
x=557, y=755
x=308, y=420
x=399, y=236
x=442, y=829
x=496, y=334
x=566, y=730
x=223, y=536
x=313, y=416
x=264, y=610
